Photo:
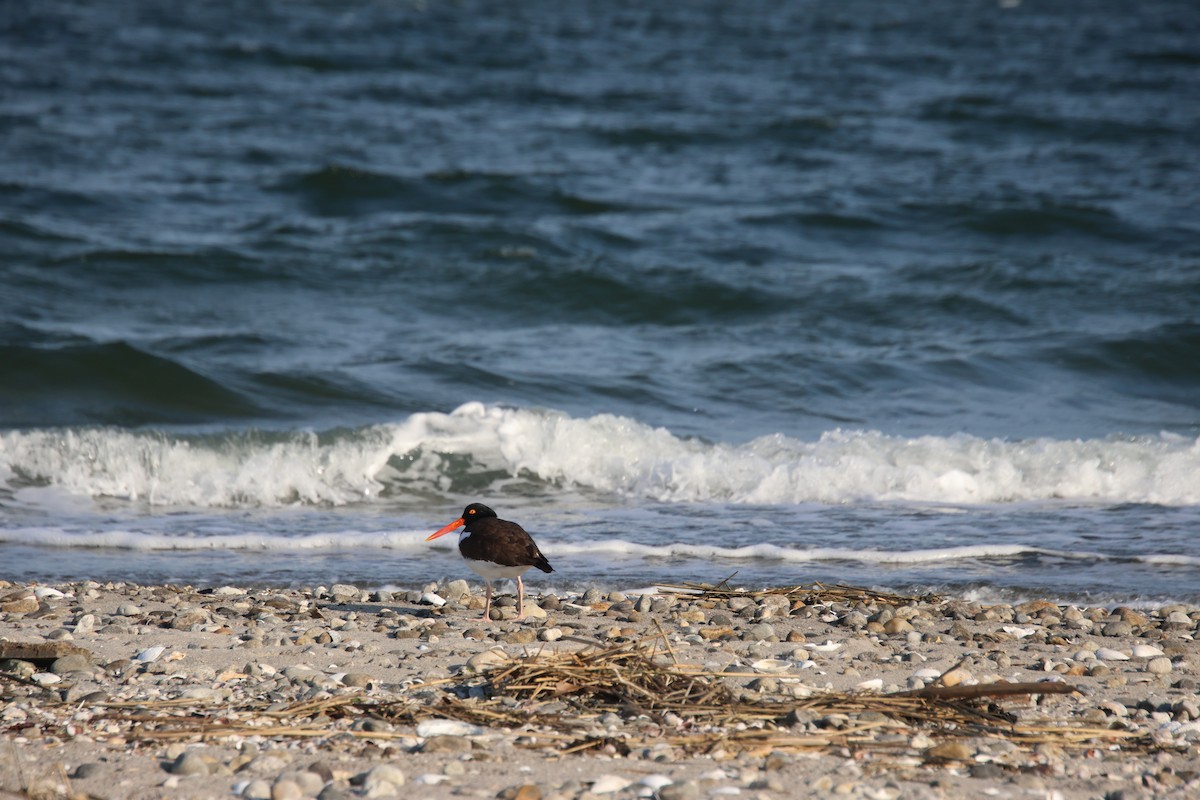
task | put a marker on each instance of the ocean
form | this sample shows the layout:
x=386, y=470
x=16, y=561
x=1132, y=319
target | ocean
x=899, y=295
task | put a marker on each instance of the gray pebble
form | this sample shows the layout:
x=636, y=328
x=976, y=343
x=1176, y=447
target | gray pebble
x=684, y=790
x=89, y=770
x=286, y=789
x=257, y=790
x=357, y=679
x=75, y=662
x=189, y=762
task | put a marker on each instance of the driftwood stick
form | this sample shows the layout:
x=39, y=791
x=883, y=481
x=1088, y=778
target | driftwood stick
x=999, y=689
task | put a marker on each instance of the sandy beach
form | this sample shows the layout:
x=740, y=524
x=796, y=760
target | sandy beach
x=125, y=691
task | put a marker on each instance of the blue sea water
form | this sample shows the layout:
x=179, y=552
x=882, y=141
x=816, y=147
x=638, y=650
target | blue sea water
x=903, y=295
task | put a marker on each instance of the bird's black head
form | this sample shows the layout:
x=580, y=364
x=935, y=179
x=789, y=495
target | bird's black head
x=476, y=511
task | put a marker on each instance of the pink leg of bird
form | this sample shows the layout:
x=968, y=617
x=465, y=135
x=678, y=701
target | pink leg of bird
x=487, y=605
x=520, y=599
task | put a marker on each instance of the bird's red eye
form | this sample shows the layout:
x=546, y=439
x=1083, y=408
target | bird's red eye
x=472, y=511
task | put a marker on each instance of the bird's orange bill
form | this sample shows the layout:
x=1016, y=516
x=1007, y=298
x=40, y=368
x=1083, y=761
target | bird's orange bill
x=458, y=523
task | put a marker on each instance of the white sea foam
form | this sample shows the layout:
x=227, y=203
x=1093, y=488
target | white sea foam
x=604, y=454
x=415, y=541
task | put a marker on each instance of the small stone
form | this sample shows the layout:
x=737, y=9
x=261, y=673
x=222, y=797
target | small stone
x=550, y=634
x=383, y=781
x=1146, y=651
x=345, y=593
x=855, y=620
x=1159, y=666
x=20, y=605
x=285, y=789
x=257, y=790
x=950, y=751
x=310, y=783
x=987, y=771
x=956, y=676
x=527, y=791
x=189, y=762
x=896, y=625
x=487, y=660
x=90, y=769
x=85, y=625
x=75, y=662
x=446, y=744
x=357, y=680
x=189, y=619
x=685, y=790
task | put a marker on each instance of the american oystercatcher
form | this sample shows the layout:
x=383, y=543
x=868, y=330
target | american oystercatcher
x=495, y=548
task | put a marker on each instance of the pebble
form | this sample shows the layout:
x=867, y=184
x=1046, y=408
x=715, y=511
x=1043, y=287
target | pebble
x=74, y=662
x=950, y=751
x=1146, y=651
x=487, y=660
x=1159, y=666
x=189, y=762
x=957, y=676
x=284, y=789
x=357, y=680
x=383, y=780
x=683, y=790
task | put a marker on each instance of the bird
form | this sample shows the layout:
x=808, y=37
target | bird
x=495, y=548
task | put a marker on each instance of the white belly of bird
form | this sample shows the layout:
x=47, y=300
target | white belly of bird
x=492, y=572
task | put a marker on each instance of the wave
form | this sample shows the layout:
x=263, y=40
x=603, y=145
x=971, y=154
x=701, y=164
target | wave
x=478, y=450
x=87, y=382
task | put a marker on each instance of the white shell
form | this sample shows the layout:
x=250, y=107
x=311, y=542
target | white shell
x=1146, y=651
x=1020, y=633
x=151, y=653
x=1108, y=654
x=828, y=647
x=447, y=727
x=872, y=685
x=771, y=665
x=430, y=779
x=656, y=782
x=607, y=784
